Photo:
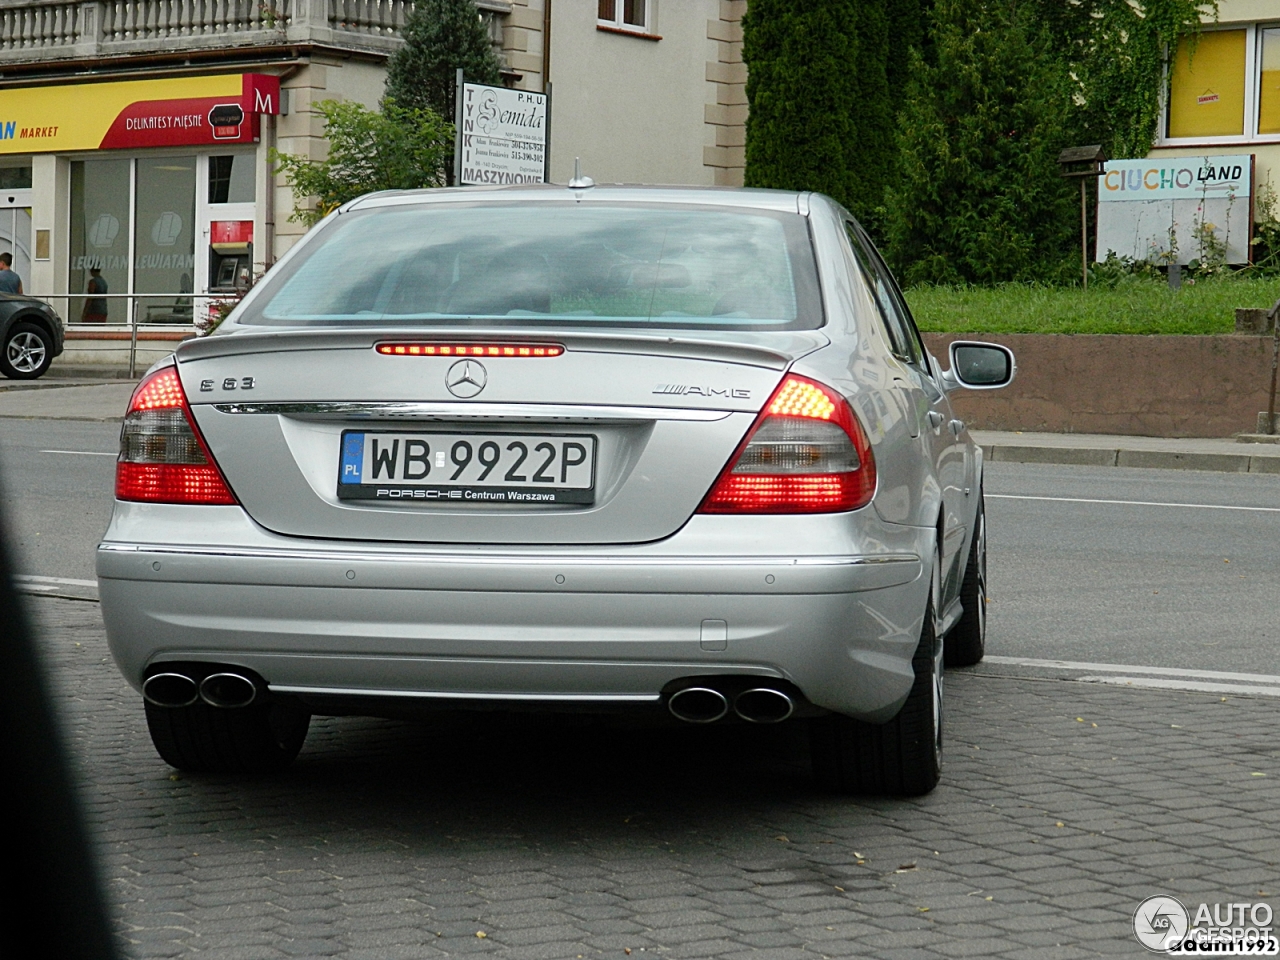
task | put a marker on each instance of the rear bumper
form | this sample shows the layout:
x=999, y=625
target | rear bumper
x=606, y=624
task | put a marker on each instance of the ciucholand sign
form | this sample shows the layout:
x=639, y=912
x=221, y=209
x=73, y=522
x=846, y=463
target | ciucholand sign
x=1176, y=209
x=1128, y=181
x=1163, y=925
x=503, y=136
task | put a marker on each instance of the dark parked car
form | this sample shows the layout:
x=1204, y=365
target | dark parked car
x=32, y=336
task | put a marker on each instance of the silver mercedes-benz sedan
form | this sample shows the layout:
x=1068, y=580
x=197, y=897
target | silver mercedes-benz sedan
x=668, y=450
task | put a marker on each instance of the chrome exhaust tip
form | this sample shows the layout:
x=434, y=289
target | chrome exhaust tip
x=763, y=705
x=170, y=690
x=698, y=705
x=228, y=690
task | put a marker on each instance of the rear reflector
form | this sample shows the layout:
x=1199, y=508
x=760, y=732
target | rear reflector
x=470, y=349
x=806, y=453
x=162, y=457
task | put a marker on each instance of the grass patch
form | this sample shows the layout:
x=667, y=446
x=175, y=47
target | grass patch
x=1136, y=306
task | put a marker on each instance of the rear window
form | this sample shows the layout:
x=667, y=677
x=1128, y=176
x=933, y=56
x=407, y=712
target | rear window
x=555, y=264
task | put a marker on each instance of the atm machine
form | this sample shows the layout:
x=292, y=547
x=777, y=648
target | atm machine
x=230, y=256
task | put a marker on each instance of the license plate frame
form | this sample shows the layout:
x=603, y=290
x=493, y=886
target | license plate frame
x=355, y=448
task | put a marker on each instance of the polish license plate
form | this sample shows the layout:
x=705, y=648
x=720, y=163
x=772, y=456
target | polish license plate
x=467, y=468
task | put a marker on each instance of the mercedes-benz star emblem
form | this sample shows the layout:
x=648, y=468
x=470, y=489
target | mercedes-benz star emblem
x=466, y=379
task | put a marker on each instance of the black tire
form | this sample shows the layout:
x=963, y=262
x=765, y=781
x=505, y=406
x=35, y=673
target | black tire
x=900, y=758
x=966, y=644
x=27, y=351
x=202, y=739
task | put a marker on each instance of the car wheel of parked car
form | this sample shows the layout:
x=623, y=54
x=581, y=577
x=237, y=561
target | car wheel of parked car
x=966, y=644
x=28, y=351
x=902, y=757
x=202, y=739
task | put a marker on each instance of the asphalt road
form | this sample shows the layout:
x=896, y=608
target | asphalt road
x=1139, y=582
x=1180, y=586
x=56, y=505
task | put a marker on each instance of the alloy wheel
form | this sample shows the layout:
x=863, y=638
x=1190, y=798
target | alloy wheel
x=25, y=352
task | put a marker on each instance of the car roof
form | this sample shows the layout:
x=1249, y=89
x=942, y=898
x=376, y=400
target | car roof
x=785, y=201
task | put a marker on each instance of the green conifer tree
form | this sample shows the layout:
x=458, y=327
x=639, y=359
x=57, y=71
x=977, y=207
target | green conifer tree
x=820, y=115
x=979, y=198
x=440, y=36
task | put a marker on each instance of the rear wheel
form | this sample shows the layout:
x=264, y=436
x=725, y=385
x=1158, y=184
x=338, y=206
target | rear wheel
x=967, y=642
x=902, y=757
x=202, y=739
x=27, y=353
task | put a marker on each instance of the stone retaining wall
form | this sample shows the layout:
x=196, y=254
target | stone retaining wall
x=1162, y=386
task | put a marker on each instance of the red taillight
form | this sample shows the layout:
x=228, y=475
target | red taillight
x=806, y=453
x=435, y=349
x=162, y=457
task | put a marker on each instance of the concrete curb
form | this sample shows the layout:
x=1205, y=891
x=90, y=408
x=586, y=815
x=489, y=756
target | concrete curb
x=1121, y=457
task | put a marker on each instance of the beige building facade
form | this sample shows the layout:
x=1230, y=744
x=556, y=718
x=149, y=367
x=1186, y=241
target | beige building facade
x=1224, y=97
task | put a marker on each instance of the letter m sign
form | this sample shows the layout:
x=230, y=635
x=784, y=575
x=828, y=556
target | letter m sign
x=260, y=93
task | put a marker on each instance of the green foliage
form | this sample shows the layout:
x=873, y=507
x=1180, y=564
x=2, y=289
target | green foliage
x=399, y=148
x=822, y=110
x=1113, y=51
x=979, y=198
x=1266, y=229
x=1134, y=303
x=440, y=36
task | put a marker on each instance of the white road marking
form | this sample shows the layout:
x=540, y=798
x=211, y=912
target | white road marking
x=1133, y=668
x=33, y=580
x=83, y=453
x=1133, y=503
x=1166, y=684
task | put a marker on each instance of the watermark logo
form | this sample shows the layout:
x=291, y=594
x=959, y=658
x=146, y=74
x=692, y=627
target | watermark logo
x=1163, y=925
x=1160, y=922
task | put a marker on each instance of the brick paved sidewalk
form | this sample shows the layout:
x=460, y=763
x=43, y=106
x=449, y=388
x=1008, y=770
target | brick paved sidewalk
x=567, y=837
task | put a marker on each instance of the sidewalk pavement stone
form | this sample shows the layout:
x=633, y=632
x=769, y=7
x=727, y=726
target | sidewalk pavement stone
x=559, y=838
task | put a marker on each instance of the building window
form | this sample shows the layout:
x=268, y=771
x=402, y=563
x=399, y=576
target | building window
x=624, y=14
x=231, y=178
x=1207, y=86
x=1269, y=82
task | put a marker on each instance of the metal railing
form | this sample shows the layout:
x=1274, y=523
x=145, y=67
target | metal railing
x=181, y=312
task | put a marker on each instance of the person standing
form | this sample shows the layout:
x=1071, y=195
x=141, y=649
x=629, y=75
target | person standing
x=95, y=308
x=10, y=282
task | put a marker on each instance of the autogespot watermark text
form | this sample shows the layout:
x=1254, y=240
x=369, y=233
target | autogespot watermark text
x=1163, y=925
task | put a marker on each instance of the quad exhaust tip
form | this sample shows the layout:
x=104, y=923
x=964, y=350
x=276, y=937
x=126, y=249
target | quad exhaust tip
x=698, y=705
x=170, y=690
x=707, y=705
x=228, y=690
x=225, y=690
x=763, y=705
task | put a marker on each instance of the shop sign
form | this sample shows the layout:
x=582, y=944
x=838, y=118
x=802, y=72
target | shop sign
x=1172, y=209
x=502, y=135
x=175, y=112
x=1181, y=178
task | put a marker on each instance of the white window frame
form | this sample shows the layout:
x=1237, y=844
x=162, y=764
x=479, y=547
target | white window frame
x=617, y=23
x=1252, y=88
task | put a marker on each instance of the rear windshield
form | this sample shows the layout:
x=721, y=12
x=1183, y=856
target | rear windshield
x=571, y=264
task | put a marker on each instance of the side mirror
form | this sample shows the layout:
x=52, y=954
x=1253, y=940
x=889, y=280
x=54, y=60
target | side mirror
x=979, y=366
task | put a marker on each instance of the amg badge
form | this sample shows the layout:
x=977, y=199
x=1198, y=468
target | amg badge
x=686, y=390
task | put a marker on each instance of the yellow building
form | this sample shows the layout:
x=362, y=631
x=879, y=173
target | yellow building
x=1224, y=91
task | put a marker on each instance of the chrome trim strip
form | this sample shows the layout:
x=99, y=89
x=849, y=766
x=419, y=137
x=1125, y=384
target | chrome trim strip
x=444, y=695
x=352, y=410
x=504, y=559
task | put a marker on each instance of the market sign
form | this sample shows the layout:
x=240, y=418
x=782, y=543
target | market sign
x=174, y=112
x=1162, y=209
x=503, y=135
